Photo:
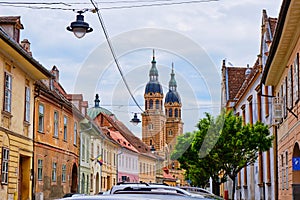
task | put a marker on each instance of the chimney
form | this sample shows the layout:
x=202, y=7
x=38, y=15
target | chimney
x=26, y=46
x=12, y=26
x=55, y=73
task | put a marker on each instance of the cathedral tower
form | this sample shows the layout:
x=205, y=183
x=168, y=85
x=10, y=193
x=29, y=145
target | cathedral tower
x=174, y=124
x=153, y=119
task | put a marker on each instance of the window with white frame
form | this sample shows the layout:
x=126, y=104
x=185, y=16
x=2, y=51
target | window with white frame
x=41, y=118
x=40, y=169
x=54, y=166
x=7, y=92
x=65, y=127
x=27, y=104
x=64, y=173
x=75, y=133
x=56, y=123
x=4, y=166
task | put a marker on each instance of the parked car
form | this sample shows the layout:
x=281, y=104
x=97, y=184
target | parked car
x=143, y=191
x=200, y=191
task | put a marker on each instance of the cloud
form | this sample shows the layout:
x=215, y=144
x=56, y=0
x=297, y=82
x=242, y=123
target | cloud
x=196, y=37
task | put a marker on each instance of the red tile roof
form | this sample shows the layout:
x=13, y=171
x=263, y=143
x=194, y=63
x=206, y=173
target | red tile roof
x=119, y=138
x=136, y=142
x=254, y=70
x=236, y=76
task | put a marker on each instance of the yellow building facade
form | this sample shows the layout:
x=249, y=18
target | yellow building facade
x=18, y=72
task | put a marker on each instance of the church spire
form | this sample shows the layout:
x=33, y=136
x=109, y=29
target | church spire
x=153, y=71
x=172, y=82
x=97, y=101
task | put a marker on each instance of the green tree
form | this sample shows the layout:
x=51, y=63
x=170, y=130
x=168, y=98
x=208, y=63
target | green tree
x=239, y=144
x=222, y=144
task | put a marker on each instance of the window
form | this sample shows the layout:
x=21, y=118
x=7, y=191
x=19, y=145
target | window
x=65, y=127
x=4, y=167
x=243, y=114
x=290, y=87
x=150, y=126
x=285, y=89
x=258, y=97
x=41, y=118
x=56, y=124
x=7, y=92
x=40, y=169
x=83, y=149
x=146, y=107
x=63, y=173
x=54, y=165
x=170, y=112
x=296, y=79
x=151, y=104
x=75, y=133
x=170, y=132
x=176, y=112
x=27, y=104
x=267, y=101
x=157, y=104
x=250, y=111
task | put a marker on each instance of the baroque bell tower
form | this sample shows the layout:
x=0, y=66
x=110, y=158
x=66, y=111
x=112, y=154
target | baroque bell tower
x=153, y=119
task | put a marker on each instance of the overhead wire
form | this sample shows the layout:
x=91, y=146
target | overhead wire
x=114, y=54
x=167, y=3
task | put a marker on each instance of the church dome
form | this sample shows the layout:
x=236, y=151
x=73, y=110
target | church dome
x=96, y=110
x=153, y=87
x=172, y=97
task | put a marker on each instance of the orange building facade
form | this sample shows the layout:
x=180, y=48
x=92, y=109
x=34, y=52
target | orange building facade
x=56, y=140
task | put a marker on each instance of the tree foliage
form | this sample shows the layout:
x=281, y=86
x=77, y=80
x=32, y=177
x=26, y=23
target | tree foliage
x=221, y=144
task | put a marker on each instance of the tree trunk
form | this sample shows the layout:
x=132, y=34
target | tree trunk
x=233, y=187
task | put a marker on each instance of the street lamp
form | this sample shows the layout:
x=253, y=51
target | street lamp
x=135, y=121
x=79, y=27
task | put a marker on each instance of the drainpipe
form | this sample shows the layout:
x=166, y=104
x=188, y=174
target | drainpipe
x=33, y=177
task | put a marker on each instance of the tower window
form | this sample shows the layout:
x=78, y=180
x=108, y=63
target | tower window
x=151, y=104
x=157, y=104
x=170, y=112
x=176, y=112
x=146, y=106
x=170, y=132
x=150, y=126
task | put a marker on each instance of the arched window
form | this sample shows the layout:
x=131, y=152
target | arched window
x=170, y=132
x=157, y=104
x=146, y=106
x=150, y=142
x=170, y=112
x=176, y=112
x=150, y=104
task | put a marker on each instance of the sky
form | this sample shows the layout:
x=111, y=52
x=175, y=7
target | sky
x=195, y=37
